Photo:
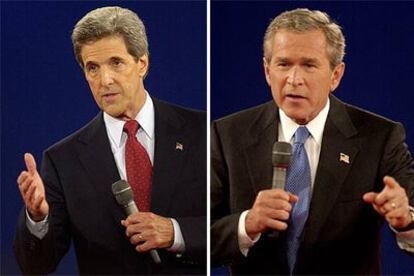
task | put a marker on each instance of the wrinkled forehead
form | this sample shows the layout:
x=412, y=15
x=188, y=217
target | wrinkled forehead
x=105, y=48
x=308, y=44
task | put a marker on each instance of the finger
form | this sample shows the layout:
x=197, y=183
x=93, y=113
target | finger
x=30, y=163
x=279, y=215
x=293, y=198
x=369, y=197
x=390, y=206
x=385, y=195
x=272, y=194
x=37, y=202
x=22, y=177
x=276, y=225
x=281, y=194
x=26, y=184
x=29, y=197
x=133, y=229
x=146, y=246
x=378, y=209
x=137, y=239
x=278, y=204
x=399, y=212
x=390, y=182
x=135, y=218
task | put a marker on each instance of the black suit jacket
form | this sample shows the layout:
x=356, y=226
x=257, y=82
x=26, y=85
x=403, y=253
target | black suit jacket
x=78, y=173
x=342, y=233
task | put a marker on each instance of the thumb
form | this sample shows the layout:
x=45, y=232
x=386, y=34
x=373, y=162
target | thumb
x=370, y=197
x=30, y=163
x=390, y=182
x=293, y=198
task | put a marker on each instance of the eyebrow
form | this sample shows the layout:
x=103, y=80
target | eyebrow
x=303, y=60
x=116, y=58
x=90, y=63
x=310, y=60
x=110, y=59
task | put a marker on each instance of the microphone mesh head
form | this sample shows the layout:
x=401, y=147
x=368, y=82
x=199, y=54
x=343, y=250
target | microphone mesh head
x=122, y=192
x=281, y=154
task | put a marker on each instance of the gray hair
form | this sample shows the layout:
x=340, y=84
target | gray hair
x=111, y=21
x=302, y=20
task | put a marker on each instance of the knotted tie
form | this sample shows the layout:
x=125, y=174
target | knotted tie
x=299, y=183
x=138, y=167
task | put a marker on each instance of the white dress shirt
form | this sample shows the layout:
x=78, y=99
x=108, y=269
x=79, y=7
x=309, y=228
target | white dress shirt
x=286, y=130
x=117, y=138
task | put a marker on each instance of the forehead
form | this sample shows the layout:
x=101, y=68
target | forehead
x=309, y=44
x=103, y=49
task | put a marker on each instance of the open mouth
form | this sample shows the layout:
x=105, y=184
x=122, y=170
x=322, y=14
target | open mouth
x=295, y=97
x=110, y=96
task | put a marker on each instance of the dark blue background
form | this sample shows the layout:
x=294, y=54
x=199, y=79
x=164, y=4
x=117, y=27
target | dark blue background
x=44, y=95
x=379, y=68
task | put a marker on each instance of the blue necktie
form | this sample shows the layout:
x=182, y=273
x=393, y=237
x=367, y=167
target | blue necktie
x=299, y=183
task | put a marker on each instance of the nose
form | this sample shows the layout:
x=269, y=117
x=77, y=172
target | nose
x=294, y=77
x=106, y=77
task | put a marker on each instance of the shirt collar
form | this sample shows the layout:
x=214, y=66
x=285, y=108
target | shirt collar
x=145, y=118
x=315, y=127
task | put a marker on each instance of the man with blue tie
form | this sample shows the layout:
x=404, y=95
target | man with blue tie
x=350, y=169
x=159, y=148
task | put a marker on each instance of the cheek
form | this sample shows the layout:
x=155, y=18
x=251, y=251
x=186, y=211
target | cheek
x=276, y=83
x=94, y=87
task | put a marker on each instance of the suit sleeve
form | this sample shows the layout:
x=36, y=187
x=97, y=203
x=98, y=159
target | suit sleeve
x=41, y=256
x=224, y=225
x=398, y=162
x=194, y=227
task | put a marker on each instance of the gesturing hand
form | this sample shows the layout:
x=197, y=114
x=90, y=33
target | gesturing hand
x=392, y=203
x=32, y=190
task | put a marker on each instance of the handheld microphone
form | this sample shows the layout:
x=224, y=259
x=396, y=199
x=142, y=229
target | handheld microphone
x=281, y=156
x=125, y=197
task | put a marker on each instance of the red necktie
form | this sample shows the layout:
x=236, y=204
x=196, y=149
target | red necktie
x=138, y=167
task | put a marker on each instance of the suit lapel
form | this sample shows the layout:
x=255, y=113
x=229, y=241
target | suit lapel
x=168, y=156
x=332, y=168
x=262, y=133
x=96, y=157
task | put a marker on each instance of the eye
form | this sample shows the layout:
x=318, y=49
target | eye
x=92, y=68
x=310, y=65
x=116, y=63
x=282, y=65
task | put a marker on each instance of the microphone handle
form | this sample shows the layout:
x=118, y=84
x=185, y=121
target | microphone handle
x=132, y=208
x=278, y=181
x=279, y=177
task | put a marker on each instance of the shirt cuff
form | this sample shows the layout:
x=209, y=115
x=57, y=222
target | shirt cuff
x=405, y=239
x=179, y=244
x=40, y=228
x=245, y=242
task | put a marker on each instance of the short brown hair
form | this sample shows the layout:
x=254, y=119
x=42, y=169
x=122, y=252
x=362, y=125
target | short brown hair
x=302, y=20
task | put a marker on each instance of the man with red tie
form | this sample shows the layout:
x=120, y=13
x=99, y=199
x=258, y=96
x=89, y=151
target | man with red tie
x=160, y=149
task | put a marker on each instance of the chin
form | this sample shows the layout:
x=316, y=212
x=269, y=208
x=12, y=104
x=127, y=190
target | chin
x=114, y=112
x=298, y=118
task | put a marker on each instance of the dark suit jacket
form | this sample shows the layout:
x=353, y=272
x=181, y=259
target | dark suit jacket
x=342, y=233
x=78, y=173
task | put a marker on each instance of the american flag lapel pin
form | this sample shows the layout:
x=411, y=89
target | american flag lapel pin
x=179, y=146
x=344, y=158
